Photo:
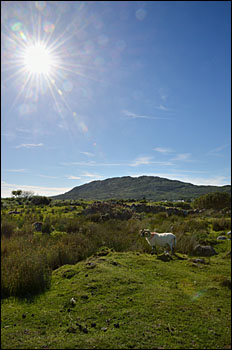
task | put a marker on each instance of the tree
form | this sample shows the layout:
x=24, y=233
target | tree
x=16, y=193
x=27, y=194
x=40, y=200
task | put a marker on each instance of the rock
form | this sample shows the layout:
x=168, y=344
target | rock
x=73, y=301
x=90, y=265
x=164, y=257
x=204, y=250
x=37, y=226
x=201, y=261
x=221, y=238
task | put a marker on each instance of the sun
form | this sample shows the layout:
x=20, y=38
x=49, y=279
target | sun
x=38, y=59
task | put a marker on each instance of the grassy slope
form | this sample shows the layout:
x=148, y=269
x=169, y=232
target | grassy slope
x=135, y=300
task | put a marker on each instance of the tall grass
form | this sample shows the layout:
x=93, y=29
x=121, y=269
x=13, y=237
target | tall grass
x=24, y=270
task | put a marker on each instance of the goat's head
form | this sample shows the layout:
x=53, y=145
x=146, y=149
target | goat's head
x=145, y=232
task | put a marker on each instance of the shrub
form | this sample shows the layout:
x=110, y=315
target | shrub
x=185, y=243
x=7, y=228
x=221, y=224
x=40, y=200
x=24, y=273
x=215, y=200
x=46, y=228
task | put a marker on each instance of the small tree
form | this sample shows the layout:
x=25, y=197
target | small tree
x=16, y=193
x=40, y=200
x=27, y=194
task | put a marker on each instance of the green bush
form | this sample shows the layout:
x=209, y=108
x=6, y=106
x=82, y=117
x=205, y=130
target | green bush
x=24, y=273
x=215, y=200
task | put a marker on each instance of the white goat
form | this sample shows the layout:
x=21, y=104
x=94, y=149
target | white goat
x=159, y=239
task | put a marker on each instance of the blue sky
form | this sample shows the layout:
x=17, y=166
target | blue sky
x=133, y=88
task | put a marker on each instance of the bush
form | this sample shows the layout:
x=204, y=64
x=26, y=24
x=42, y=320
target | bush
x=7, y=228
x=40, y=200
x=221, y=224
x=24, y=273
x=46, y=228
x=215, y=200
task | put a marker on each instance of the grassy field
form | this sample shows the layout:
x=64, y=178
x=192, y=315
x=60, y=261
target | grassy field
x=123, y=297
x=126, y=300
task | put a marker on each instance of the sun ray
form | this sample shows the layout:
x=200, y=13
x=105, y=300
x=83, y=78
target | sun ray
x=43, y=60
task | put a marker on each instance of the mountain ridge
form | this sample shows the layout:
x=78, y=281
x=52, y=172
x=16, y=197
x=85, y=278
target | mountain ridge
x=150, y=187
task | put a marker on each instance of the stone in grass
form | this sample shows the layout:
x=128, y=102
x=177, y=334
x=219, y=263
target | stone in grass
x=164, y=257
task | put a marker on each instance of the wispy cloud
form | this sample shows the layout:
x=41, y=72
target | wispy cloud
x=163, y=150
x=132, y=115
x=48, y=176
x=217, y=151
x=16, y=170
x=90, y=163
x=23, y=130
x=88, y=154
x=96, y=176
x=163, y=108
x=141, y=161
x=72, y=177
x=147, y=160
x=7, y=188
x=29, y=145
x=182, y=157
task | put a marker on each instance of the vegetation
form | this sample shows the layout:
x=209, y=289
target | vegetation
x=118, y=300
x=143, y=187
x=42, y=270
x=216, y=200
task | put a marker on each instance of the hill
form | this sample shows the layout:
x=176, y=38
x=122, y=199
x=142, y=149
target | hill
x=149, y=187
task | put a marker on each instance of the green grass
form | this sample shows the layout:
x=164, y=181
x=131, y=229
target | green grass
x=125, y=300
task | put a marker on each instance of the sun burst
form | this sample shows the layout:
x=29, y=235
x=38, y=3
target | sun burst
x=38, y=59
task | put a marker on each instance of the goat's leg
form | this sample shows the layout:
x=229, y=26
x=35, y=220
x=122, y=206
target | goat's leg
x=154, y=250
x=171, y=247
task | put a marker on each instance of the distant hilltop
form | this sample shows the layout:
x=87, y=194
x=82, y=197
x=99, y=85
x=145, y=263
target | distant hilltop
x=144, y=187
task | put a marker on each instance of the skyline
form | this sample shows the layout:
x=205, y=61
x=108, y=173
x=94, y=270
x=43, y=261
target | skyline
x=95, y=90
